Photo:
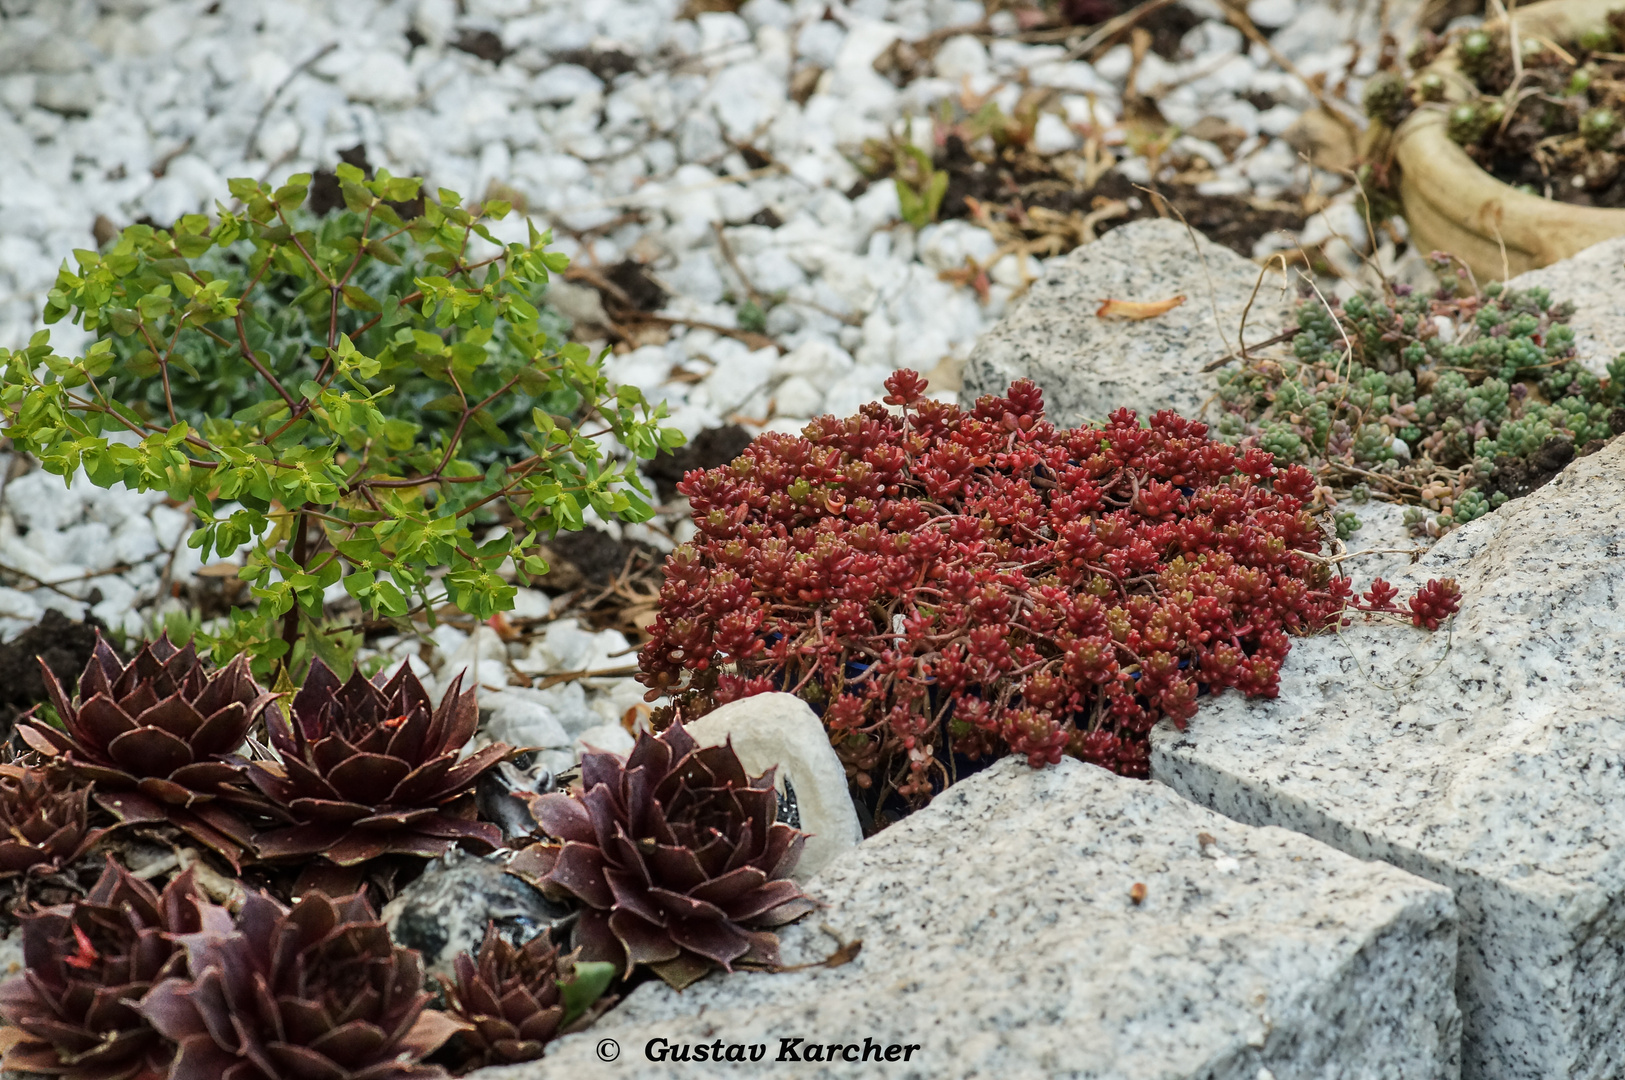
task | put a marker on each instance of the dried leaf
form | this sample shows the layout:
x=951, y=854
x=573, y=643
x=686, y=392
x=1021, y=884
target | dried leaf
x=1138, y=309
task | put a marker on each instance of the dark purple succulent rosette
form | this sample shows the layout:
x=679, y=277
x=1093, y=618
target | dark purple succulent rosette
x=676, y=855
x=88, y=965
x=44, y=820
x=318, y=991
x=159, y=737
x=514, y=1000
x=370, y=770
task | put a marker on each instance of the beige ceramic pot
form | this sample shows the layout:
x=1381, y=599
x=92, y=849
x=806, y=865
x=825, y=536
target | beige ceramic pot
x=1453, y=205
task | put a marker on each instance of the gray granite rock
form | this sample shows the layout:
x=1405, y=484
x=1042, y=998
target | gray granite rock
x=1088, y=366
x=1592, y=281
x=445, y=911
x=1489, y=758
x=1000, y=938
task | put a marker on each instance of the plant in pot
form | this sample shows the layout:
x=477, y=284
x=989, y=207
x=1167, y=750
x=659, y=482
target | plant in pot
x=1506, y=140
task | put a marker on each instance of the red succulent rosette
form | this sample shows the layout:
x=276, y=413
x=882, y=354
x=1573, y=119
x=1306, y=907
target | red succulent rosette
x=89, y=964
x=44, y=820
x=315, y=993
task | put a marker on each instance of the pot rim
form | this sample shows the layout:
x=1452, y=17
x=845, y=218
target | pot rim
x=1534, y=230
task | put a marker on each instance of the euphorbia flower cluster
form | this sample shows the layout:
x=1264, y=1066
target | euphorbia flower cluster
x=938, y=581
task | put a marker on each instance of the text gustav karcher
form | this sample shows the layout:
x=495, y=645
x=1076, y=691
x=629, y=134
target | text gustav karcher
x=789, y=1050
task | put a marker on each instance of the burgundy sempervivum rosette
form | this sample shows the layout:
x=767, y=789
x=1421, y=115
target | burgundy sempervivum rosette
x=676, y=855
x=158, y=737
x=315, y=993
x=89, y=964
x=44, y=820
x=370, y=770
x=515, y=998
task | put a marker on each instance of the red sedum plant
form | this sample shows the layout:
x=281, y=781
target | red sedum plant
x=940, y=581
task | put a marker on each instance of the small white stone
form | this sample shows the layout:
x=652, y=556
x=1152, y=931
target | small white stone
x=1115, y=62
x=531, y=604
x=947, y=245
x=68, y=94
x=382, y=78
x=961, y=57
x=435, y=19
x=775, y=13
x=609, y=737
x=1074, y=77
x=1276, y=119
x=447, y=640
x=563, y=83
x=19, y=605
x=797, y=397
x=1270, y=14
x=1051, y=135
x=780, y=730
x=515, y=717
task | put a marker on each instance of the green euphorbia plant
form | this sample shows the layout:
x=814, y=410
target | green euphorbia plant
x=324, y=329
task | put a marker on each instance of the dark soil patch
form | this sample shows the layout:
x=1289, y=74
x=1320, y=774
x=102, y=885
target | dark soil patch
x=63, y=645
x=1231, y=220
x=1516, y=477
x=710, y=449
x=1010, y=187
x=481, y=43
x=634, y=281
x=326, y=195
x=1167, y=25
x=594, y=554
x=606, y=63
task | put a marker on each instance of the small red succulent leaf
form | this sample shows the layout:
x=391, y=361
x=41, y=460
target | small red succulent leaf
x=645, y=942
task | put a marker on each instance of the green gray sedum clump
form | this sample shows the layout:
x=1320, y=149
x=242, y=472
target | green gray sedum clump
x=1403, y=391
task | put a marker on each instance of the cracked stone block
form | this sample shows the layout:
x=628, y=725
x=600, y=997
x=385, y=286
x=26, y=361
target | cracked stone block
x=1005, y=933
x=1488, y=757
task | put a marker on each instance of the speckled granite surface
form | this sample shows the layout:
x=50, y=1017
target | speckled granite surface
x=1593, y=281
x=1000, y=938
x=1088, y=366
x=1491, y=760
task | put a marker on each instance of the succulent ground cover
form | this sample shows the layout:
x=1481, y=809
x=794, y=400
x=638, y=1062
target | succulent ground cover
x=1450, y=402
x=945, y=584
x=1550, y=120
